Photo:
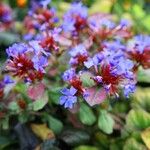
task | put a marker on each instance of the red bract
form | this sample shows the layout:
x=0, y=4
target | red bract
x=1, y=93
x=79, y=23
x=112, y=81
x=82, y=58
x=22, y=67
x=77, y=84
x=141, y=58
x=22, y=104
x=49, y=43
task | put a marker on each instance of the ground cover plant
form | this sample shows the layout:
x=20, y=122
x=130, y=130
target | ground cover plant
x=73, y=76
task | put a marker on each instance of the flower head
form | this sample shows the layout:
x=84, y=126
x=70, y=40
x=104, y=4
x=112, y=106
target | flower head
x=68, y=98
x=75, y=17
x=26, y=61
x=69, y=74
x=79, y=55
x=139, y=50
x=5, y=16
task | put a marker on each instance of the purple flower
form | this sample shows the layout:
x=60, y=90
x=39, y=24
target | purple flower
x=36, y=48
x=139, y=43
x=16, y=49
x=40, y=63
x=7, y=79
x=98, y=24
x=124, y=66
x=68, y=25
x=69, y=74
x=124, y=22
x=28, y=36
x=78, y=50
x=68, y=99
x=77, y=10
x=128, y=89
x=114, y=46
x=39, y=3
x=96, y=60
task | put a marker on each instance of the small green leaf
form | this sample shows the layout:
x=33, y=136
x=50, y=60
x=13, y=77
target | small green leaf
x=141, y=99
x=132, y=144
x=146, y=137
x=5, y=141
x=40, y=103
x=5, y=123
x=137, y=120
x=105, y=122
x=86, y=147
x=13, y=106
x=143, y=75
x=54, y=95
x=8, y=38
x=87, y=80
x=86, y=115
x=54, y=124
x=74, y=137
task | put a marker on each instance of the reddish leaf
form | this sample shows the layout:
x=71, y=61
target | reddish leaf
x=36, y=91
x=94, y=96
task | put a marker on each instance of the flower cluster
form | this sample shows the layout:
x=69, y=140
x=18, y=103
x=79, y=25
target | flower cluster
x=102, y=55
x=39, y=18
x=6, y=18
x=27, y=61
x=106, y=52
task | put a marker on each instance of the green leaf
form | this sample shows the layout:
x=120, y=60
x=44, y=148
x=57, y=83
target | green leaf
x=85, y=147
x=146, y=137
x=23, y=117
x=137, y=120
x=5, y=141
x=105, y=122
x=40, y=103
x=86, y=115
x=132, y=144
x=13, y=106
x=137, y=11
x=86, y=79
x=101, y=6
x=8, y=38
x=54, y=124
x=74, y=137
x=143, y=75
x=54, y=95
x=142, y=99
x=5, y=123
x=48, y=145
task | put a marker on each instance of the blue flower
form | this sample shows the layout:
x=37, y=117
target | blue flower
x=96, y=60
x=68, y=99
x=7, y=79
x=139, y=43
x=78, y=50
x=39, y=3
x=16, y=49
x=68, y=25
x=124, y=67
x=69, y=74
x=124, y=22
x=77, y=10
x=40, y=63
x=128, y=89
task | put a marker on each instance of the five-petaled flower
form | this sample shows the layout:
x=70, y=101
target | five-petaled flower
x=68, y=98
